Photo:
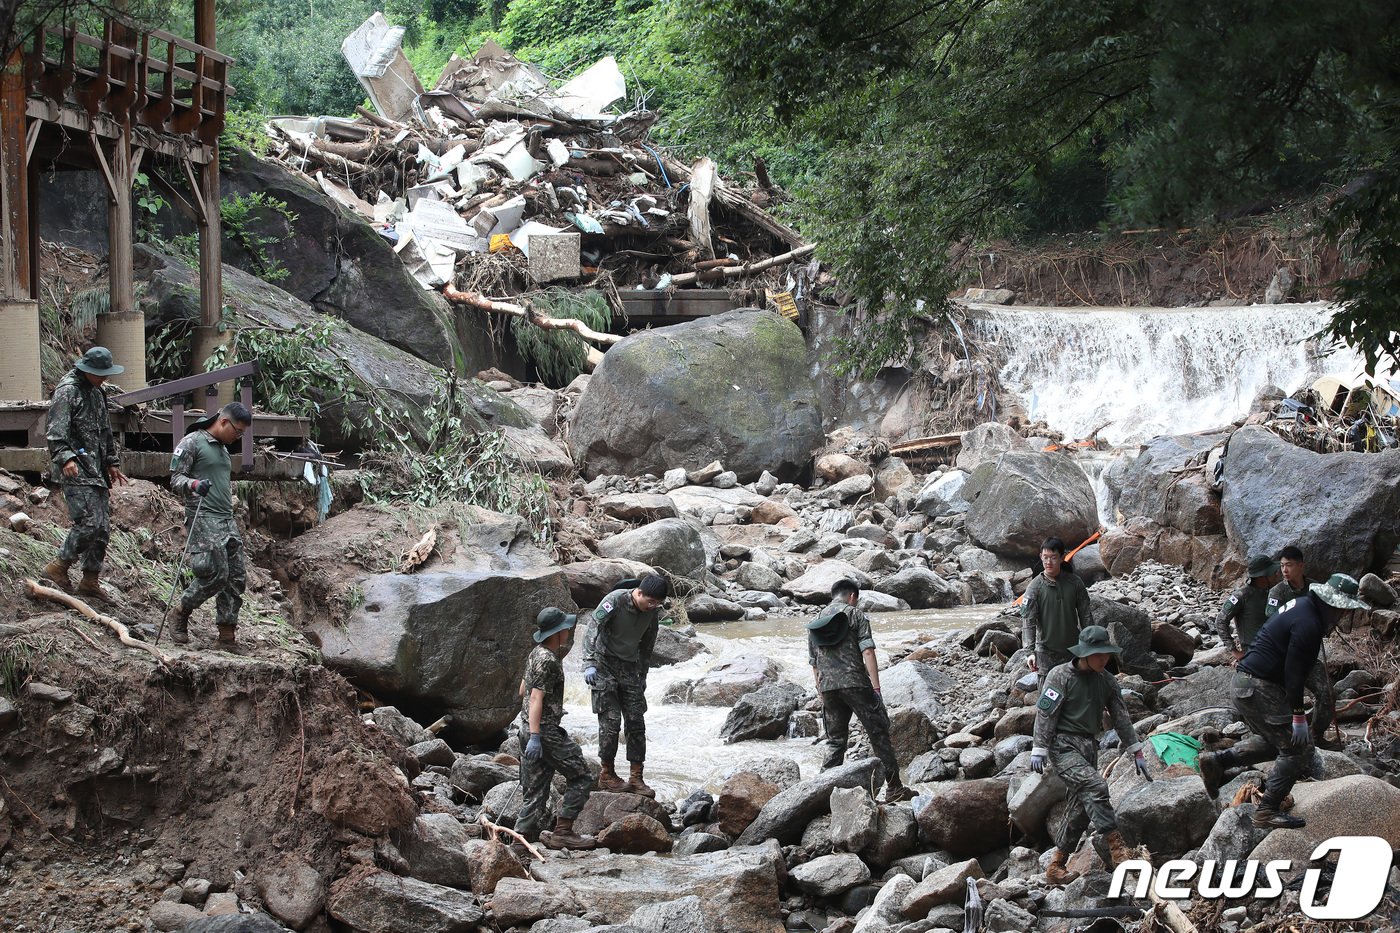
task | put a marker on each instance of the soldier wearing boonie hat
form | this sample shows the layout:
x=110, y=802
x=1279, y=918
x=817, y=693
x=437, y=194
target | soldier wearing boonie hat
x=1268, y=695
x=1247, y=605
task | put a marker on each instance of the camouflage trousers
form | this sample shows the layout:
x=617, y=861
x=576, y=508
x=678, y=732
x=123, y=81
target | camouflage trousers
x=561, y=754
x=216, y=559
x=1264, y=708
x=838, y=706
x=619, y=697
x=1076, y=761
x=90, y=508
x=1257, y=749
x=1045, y=659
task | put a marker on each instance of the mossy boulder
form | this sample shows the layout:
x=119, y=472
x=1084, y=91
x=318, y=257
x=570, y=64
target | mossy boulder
x=734, y=387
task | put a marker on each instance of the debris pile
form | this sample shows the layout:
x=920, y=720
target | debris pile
x=497, y=181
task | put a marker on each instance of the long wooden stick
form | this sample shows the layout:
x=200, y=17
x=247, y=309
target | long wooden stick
x=73, y=602
x=734, y=272
x=495, y=829
x=539, y=319
x=736, y=202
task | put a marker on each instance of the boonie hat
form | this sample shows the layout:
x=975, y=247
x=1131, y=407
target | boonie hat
x=1094, y=640
x=1340, y=591
x=550, y=621
x=98, y=362
x=829, y=627
x=1261, y=565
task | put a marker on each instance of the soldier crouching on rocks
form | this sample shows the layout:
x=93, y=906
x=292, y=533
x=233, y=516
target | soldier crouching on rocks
x=616, y=657
x=201, y=472
x=85, y=464
x=546, y=747
x=842, y=654
x=1268, y=693
x=1068, y=722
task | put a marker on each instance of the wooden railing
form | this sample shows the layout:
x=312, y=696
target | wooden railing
x=137, y=77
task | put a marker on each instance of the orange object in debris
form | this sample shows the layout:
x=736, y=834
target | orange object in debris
x=501, y=241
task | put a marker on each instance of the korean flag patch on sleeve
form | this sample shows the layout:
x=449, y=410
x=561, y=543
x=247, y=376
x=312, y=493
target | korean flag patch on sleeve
x=1049, y=700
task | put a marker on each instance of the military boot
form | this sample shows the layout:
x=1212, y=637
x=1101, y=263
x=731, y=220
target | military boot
x=1118, y=848
x=178, y=621
x=1212, y=766
x=609, y=781
x=57, y=572
x=564, y=837
x=896, y=792
x=1268, y=813
x=91, y=585
x=636, y=785
x=227, y=635
x=1056, y=873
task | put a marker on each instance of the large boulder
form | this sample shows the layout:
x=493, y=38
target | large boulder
x=671, y=544
x=943, y=494
x=436, y=850
x=914, y=683
x=762, y=713
x=1131, y=630
x=1025, y=497
x=725, y=682
x=985, y=443
x=741, y=799
x=733, y=387
x=1356, y=805
x=591, y=580
x=1151, y=488
x=454, y=640
x=855, y=819
x=1169, y=815
x=1342, y=509
x=966, y=817
x=377, y=900
x=603, y=809
x=814, y=586
x=830, y=875
x=785, y=816
x=738, y=888
x=921, y=588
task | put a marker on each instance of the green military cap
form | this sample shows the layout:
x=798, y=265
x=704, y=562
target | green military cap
x=551, y=621
x=98, y=362
x=1094, y=640
x=1341, y=591
x=1261, y=565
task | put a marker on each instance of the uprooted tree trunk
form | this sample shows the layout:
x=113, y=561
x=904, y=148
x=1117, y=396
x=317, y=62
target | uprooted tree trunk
x=536, y=317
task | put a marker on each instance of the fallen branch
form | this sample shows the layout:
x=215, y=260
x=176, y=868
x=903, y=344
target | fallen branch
x=73, y=602
x=537, y=318
x=734, y=272
x=738, y=203
x=702, y=186
x=311, y=151
x=88, y=638
x=495, y=831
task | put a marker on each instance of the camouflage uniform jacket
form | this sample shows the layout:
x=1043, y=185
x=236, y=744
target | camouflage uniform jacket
x=78, y=428
x=1281, y=595
x=544, y=672
x=1053, y=611
x=621, y=635
x=197, y=457
x=1073, y=702
x=1246, y=606
x=842, y=665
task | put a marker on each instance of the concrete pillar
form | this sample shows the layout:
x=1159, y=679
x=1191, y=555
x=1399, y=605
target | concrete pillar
x=20, y=378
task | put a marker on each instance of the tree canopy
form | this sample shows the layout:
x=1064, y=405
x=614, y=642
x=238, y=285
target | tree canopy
x=945, y=121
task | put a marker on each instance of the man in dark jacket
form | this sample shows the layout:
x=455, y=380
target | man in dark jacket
x=85, y=463
x=842, y=654
x=1268, y=693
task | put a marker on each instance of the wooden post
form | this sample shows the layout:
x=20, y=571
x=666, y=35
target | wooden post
x=207, y=336
x=19, y=313
x=123, y=328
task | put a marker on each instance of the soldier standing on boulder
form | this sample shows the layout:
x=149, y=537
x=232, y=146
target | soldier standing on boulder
x=1294, y=583
x=1246, y=606
x=1056, y=606
x=842, y=654
x=86, y=465
x=546, y=747
x=1268, y=692
x=1068, y=723
x=616, y=657
x=201, y=471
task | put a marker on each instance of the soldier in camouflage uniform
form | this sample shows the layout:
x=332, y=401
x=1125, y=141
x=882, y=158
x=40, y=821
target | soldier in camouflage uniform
x=1293, y=585
x=616, y=657
x=201, y=472
x=546, y=747
x=1247, y=606
x=85, y=463
x=1056, y=606
x=1068, y=722
x=842, y=654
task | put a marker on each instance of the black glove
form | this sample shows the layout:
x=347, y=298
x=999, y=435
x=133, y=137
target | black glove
x=202, y=487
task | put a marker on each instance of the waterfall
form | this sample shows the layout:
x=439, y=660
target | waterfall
x=1144, y=372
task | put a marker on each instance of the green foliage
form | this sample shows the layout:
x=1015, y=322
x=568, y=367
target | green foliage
x=299, y=372
x=943, y=124
x=245, y=218
x=559, y=355
x=243, y=130
x=148, y=203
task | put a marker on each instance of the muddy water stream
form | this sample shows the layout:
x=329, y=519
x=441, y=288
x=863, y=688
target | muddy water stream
x=684, y=750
